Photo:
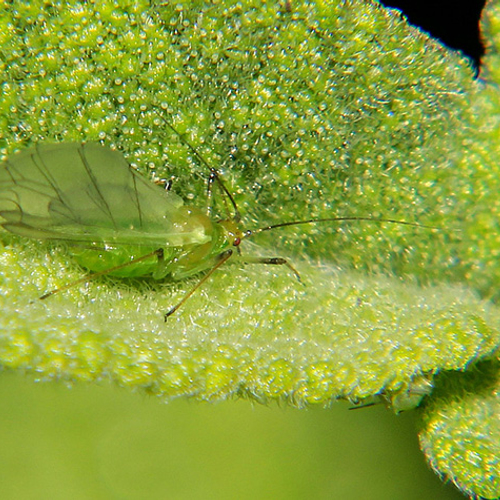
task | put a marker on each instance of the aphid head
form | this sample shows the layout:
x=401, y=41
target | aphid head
x=232, y=232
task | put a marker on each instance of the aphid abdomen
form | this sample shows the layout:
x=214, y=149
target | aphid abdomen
x=98, y=260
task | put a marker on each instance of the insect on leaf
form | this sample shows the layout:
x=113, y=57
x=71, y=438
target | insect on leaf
x=88, y=193
x=118, y=222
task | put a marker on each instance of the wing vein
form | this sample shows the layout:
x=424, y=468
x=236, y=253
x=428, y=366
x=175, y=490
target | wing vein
x=104, y=206
x=45, y=172
x=137, y=199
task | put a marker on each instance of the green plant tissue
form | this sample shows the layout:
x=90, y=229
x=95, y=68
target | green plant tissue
x=324, y=109
x=459, y=425
x=459, y=429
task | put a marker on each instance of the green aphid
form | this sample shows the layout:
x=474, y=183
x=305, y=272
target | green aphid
x=116, y=221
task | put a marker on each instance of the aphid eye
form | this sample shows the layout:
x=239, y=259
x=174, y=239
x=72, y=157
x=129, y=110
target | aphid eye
x=236, y=242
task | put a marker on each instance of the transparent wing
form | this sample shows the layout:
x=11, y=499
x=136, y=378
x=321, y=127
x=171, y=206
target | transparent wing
x=89, y=193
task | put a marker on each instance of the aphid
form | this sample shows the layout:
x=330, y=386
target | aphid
x=118, y=223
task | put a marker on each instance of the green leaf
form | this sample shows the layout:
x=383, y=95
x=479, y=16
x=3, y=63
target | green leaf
x=337, y=139
x=331, y=109
x=459, y=429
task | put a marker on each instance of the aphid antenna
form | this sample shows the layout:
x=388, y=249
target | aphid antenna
x=214, y=173
x=336, y=219
x=222, y=258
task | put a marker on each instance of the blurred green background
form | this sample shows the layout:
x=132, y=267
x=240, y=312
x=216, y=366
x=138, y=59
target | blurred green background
x=101, y=442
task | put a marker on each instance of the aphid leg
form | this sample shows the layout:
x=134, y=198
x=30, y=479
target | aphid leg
x=165, y=183
x=215, y=177
x=89, y=277
x=364, y=405
x=214, y=174
x=273, y=261
x=160, y=271
x=220, y=259
x=210, y=192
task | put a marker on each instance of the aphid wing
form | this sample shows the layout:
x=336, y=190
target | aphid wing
x=83, y=192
